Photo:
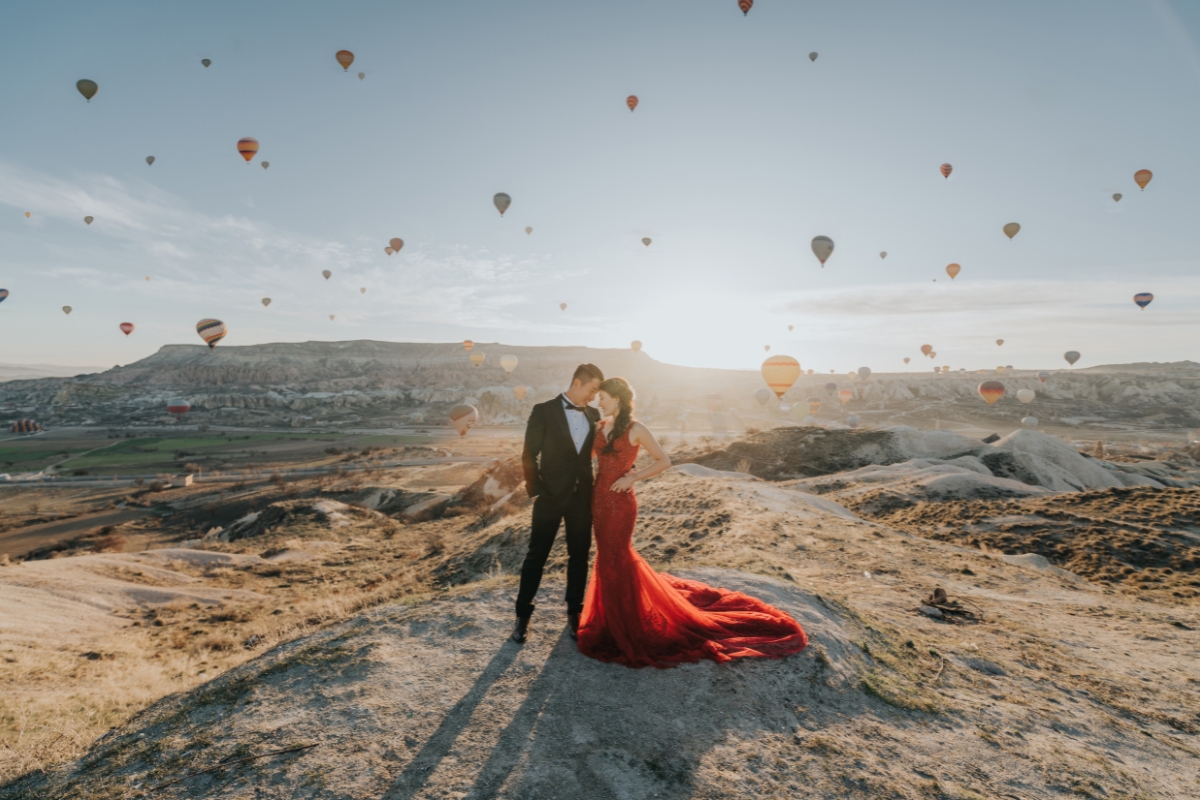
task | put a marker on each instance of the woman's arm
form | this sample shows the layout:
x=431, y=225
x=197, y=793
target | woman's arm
x=640, y=434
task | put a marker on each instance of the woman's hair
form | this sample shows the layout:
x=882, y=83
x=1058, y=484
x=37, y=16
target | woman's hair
x=620, y=390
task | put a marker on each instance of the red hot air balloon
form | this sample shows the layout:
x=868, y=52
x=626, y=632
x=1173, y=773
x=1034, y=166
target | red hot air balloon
x=248, y=147
x=946, y=169
x=345, y=58
x=745, y=6
x=126, y=328
x=631, y=101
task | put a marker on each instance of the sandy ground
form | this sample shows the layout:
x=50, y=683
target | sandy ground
x=1052, y=686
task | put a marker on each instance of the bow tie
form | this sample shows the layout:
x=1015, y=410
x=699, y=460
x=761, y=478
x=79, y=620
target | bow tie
x=567, y=405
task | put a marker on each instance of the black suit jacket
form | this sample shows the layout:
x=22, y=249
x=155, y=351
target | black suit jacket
x=552, y=467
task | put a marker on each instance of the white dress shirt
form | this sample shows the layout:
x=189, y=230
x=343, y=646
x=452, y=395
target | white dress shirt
x=577, y=422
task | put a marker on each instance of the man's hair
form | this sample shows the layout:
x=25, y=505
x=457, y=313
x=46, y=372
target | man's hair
x=586, y=373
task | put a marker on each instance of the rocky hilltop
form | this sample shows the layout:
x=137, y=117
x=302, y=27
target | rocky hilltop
x=403, y=383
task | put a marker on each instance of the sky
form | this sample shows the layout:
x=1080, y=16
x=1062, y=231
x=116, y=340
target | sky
x=740, y=151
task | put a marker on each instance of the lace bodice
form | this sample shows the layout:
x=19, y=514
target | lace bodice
x=615, y=464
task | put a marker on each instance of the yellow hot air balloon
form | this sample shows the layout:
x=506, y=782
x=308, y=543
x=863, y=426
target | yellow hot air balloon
x=397, y=245
x=952, y=270
x=248, y=147
x=1142, y=177
x=345, y=58
x=87, y=88
x=519, y=391
x=780, y=373
x=636, y=346
x=28, y=214
x=508, y=364
x=477, y=358
x=1012, y=229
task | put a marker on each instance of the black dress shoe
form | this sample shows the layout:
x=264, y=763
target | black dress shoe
x=573, y=621
x=521, y=631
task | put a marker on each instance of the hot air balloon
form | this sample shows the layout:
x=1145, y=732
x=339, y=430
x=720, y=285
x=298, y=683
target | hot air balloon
x=88, y=220
x=397, y=244
x=646, y=241
x=178, y=407
x=211, y=331
x=28, y=214
x=477, y=358
x=883, y=253
x=331, y=317
x=345, y=58
x=362, y=290
x=562, y=306
x=66, y=309
x=780, y=372
x=812, y=56
x=991, y=391
x=1141, y=177
x=388, y=250
x=831, y=388
x=785, y=407
x=864, y=372
x=946, y=169
x=631, y=101
x=1000, y=370
x=508, y=364
x=266, y=301
x=1026, y=395
x=906, y=359
x=1008, y=366
x=822, y=247
x=1043, y=376
x=528, y=229
x=1012, y=229
x=126, y=328
x=265, y=164
x=362, y=75
x=810, y=372
x=933, y=354
x=762, y=396
x=1071, y=356
x=636, y=346
x=952, y=270
x=1117, y=197
x=464, y=418
x=799, y=412
x=745, y=6
x=87, y=88
x=150, y=160
x=206, y=62
x=502, y=202
x=1143, y=299
x=999, y=342
x=248, y=147
x=814, y=405
x=767, y=348
x=926, y=349
x=1029, y=422
x=937, y=369
x=853, y=421
x=467, y=345
x=25, y=426
x=326, y=273
x=845, y=395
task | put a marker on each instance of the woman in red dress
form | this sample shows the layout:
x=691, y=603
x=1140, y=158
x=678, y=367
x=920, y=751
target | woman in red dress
x=635, y=616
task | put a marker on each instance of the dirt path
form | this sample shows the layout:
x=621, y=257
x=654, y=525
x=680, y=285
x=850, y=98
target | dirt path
x=33, y=537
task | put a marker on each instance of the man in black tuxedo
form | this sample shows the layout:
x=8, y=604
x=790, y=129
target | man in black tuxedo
x=558, y=474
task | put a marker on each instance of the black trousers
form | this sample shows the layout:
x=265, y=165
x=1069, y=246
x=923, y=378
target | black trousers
x=577, y=515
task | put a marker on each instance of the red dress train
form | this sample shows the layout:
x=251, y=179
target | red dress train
x=635, y=616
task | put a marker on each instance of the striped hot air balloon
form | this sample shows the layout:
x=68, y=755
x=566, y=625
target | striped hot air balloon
x=508, y=364
x=946, y=169
x=211, y=331
x=3, y=294
x=1143, y=299
x=520, y=391
x=126, y=328
x=1142, y=177
x=814, y=405
x=477, y=358
x=24, y=426
x=467, y=345
x=991, y=391
x=345, y=58
x=631, y=101
x=178, y=407
x=780, y=373
x=464, y=417
x=248, y=147
x=745, y=6
x=845, y=395
x=1043, y=376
